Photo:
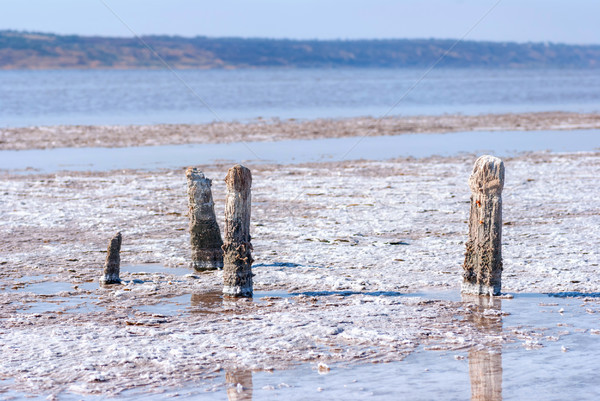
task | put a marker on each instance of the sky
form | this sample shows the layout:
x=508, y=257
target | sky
x=572, y=21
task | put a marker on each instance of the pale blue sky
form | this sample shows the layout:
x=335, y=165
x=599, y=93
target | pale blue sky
x=567, y=21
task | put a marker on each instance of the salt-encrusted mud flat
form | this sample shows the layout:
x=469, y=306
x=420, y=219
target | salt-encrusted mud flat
x=348, y=240
x=274, y=130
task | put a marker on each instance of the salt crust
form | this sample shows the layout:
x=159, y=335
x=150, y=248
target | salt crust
x=361, y=233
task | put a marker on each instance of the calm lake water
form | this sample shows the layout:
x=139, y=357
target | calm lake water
x=148, y=97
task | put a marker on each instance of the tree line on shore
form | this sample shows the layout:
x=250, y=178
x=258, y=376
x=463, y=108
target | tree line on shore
x=32, y=50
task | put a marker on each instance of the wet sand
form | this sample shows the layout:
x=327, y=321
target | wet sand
x=348, y=238
x=273, y=130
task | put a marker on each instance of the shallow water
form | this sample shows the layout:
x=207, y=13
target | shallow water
x=49, y=287
x=150, y=97
x=560, y=363
x=559, y=369
x=156, y=268
x=206, y=303
x=500, y=143
x=74, y=304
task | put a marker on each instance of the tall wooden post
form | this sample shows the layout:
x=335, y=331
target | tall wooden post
x=483, y=259
x=205, y=236
x=237, y=258
x=112, y=266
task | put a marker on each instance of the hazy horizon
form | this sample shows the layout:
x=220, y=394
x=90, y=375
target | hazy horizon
x=294, y=39
x=478, y=20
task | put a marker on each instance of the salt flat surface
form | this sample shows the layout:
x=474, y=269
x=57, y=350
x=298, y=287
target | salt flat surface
x=343, y=238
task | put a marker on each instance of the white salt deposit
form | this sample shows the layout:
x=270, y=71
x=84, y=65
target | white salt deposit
x=348, y=239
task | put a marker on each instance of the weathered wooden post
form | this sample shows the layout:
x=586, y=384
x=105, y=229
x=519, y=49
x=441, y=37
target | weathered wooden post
x=483, y=259
x=205, y=236
x=237, y=272
x=113, y=261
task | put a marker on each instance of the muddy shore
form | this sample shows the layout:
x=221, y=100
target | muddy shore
x=273, y=130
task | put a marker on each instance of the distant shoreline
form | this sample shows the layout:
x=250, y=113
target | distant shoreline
x=44, y=51
x=68, y=136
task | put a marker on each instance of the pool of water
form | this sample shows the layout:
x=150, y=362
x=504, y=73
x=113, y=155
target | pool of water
x=499, y=143
x=206, y=303
x=49, y=287
x=74, y=304
x=156, y=268
x=41, y=285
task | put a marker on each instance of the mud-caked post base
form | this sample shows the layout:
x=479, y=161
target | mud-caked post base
x=237, y=257
x=113, y=261
x=483, y=258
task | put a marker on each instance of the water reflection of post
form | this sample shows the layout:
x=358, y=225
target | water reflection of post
x=240, y=385
x=207, y=302
x=485, y=365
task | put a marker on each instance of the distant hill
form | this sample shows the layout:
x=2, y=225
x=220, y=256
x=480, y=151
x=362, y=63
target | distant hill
x=30, y=50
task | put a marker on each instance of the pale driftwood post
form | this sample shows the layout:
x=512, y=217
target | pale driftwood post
x=205, y=236
x=237, y=272
x=483, y=259
x=113, y=261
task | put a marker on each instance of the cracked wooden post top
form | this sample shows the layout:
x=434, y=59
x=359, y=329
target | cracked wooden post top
x=205, y=235
x=483, y=258
x=488, y=176
x=237, y=258
x=113, y=261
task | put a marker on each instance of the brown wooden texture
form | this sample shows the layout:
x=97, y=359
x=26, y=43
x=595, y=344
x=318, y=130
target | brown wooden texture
x=205, y=235
x=483, y=258
x=237, y=258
